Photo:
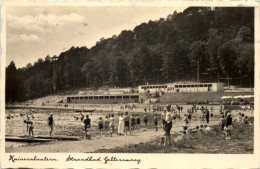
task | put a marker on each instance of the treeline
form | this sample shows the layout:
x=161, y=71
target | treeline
x=218, y=43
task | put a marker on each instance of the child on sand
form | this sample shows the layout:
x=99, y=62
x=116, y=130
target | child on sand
x=100, y=126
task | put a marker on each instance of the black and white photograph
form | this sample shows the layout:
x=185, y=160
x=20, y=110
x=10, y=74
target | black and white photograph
x=130, y=79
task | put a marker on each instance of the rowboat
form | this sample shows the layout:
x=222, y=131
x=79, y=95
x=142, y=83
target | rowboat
x=26, y=139
x=40, y=138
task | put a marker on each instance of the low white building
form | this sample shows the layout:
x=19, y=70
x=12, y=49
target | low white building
x=152, y=88
x=185, y=87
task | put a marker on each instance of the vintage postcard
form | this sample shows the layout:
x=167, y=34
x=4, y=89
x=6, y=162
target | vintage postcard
x=130, y=85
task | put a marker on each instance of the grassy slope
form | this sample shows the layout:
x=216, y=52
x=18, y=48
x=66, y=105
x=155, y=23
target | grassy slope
x=241, y=143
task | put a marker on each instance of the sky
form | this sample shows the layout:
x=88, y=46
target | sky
x=35, y=32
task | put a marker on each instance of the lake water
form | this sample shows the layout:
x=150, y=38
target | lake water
x=66, y=124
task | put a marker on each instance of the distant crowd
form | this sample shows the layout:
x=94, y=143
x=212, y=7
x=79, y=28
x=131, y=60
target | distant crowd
x=164, y=116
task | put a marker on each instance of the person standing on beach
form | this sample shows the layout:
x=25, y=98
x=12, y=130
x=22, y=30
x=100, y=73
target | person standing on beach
x=138, y=122
x=121, y=124
x=100, y=126
x=30, y=128
x=133, y=122
x=186, y=120
x=211, y=112
x=156, y=122
x=145, y=120
x=189, y=116
x=163, y=118
x=26, y=121
x=207, y=115
x=87, y=123
x=202, y=117
x=229, y=126
x=106, y=126
x=127, y=123
x=111, y=124
x=51, y=123
x=168, y=126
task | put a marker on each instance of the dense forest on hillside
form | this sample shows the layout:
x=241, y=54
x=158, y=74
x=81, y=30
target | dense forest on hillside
x=218, y=42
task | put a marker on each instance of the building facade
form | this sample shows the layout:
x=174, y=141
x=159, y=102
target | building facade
x=181, y=88
x=95, y=99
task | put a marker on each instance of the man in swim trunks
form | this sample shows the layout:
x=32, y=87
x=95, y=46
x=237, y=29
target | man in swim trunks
x=51, y=123
x=30, y=128
x=127, y=121
x=168, y=126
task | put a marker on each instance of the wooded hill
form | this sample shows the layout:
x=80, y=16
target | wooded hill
x=219, y=40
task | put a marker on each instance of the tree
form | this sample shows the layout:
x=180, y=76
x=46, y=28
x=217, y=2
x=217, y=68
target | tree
x=48, y=58
x=227, y=57
x=198, y=57
x=213, y=44
x=28, y=66
x=54, y=80
x=11, y=83
x=122, y=73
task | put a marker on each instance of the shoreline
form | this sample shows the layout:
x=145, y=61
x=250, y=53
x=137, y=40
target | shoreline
x=76, y=110
x=96, y=143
